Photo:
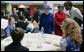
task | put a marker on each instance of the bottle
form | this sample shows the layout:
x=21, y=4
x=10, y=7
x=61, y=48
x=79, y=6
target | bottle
x=42, y=30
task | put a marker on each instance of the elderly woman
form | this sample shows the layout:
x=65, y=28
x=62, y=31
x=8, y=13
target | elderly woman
x=47, y=20
x=59, y=17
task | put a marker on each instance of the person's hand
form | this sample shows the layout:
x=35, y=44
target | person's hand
x=63, y=36
x=56, y=45
x=25, y=31
x=53, y=32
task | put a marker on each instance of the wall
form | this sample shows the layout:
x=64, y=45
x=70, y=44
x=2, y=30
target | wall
x=9, y=8
x=51, y=4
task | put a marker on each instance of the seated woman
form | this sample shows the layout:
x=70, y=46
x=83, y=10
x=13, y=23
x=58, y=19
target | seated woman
x=17, y=35
x=21, y=23
x=72, y=37
x=10, y=27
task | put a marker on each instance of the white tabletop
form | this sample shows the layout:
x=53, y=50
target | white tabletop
x=35, y=42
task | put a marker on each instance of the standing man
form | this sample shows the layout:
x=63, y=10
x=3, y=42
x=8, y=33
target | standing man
x=47, y=20
x=74, y=12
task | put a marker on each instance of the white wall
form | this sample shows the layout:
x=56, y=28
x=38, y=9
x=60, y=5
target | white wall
x=51, y=4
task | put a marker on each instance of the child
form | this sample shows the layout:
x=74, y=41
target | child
x=10, y=27
x=72, y=37
x=17, y=35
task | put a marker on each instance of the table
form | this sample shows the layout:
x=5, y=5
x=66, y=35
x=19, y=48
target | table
x=35, y=42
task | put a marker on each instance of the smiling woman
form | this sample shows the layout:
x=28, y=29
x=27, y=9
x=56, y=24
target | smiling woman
x=10, y=27
x=47, y=20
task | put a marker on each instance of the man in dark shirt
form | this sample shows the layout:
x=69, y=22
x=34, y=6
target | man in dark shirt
x=17, y=35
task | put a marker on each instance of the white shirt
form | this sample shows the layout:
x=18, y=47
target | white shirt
x=63, y=44
x=31, y=26
x=4, y=23
x=75, y=12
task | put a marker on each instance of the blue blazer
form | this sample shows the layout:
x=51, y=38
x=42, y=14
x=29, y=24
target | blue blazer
x=47, y=22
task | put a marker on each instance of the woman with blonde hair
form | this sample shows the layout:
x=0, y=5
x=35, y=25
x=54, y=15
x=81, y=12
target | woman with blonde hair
x=71, y=35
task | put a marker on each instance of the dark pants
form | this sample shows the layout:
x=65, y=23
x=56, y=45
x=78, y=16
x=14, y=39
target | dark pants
x=78, y=21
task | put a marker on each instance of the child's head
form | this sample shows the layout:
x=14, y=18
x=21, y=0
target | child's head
x=60, y=7
x=11, y=21
x=17, y=34
x=21, y=17
x=72, y=29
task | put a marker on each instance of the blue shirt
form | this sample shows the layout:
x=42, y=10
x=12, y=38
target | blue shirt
x=47, y=22
x=72, y=46
x=8, y=31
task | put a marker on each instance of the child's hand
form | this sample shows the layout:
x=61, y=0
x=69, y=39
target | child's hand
x=63, y=36
x=53, y=32
x=56, y=45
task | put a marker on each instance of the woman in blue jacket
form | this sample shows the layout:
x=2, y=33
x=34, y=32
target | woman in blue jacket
x=47, y=20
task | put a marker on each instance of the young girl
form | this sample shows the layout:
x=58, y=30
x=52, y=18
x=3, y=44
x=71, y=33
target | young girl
x=10, y=27
x=72, y=37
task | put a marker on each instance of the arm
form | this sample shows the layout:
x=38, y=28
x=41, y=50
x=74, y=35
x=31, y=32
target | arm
x=56, y=20
x=63, y=44
x=7, y=31
x=79, y=15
